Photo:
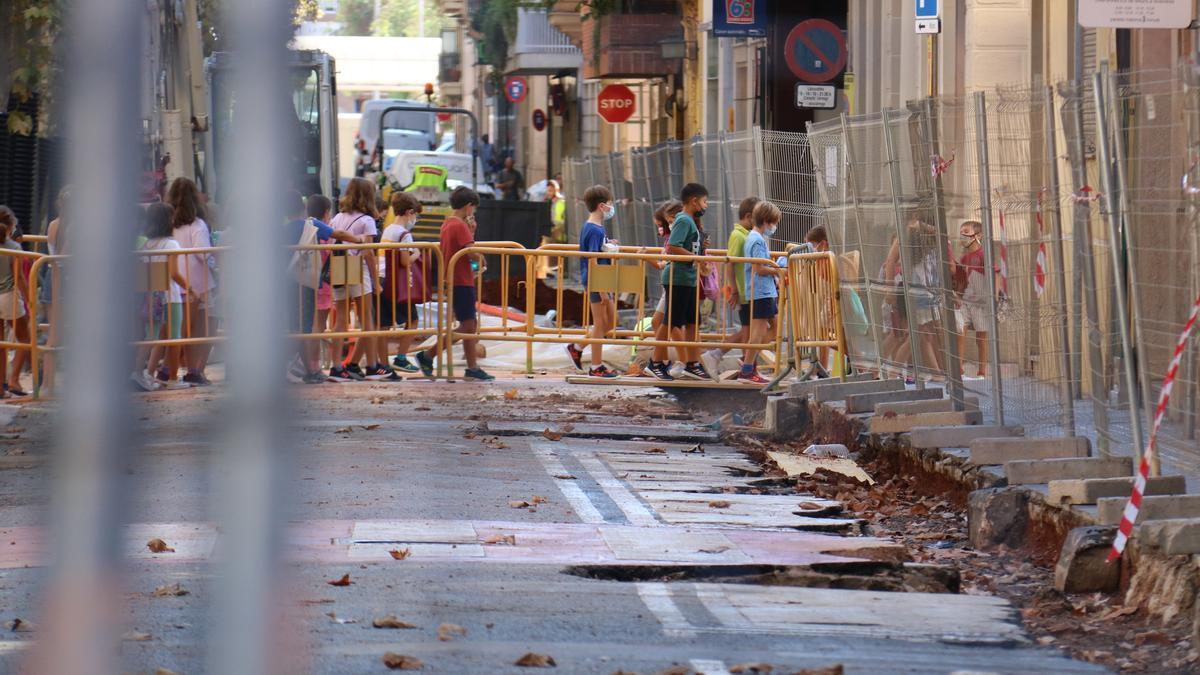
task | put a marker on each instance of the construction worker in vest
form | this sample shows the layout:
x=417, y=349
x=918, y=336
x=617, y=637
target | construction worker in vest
x=429, y=177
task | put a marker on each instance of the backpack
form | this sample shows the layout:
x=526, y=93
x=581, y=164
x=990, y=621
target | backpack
x=305, y=266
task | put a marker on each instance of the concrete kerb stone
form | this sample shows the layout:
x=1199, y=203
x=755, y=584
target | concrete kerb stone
x=860, y=403
x=1033, y=471
x=1001, y=450
x=1174, y=536
x=960, y=436
x=1083, y=562
x=805, y=389
x=786, y=417
x=1161, y=507
x=1090, y=490
x=839, y=391
x=899, y=424
x=934, y=405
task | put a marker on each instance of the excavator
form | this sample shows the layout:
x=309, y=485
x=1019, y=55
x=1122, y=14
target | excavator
x=190, y=108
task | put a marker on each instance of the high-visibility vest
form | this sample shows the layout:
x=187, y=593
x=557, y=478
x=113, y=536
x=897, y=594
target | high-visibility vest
x=429, y=176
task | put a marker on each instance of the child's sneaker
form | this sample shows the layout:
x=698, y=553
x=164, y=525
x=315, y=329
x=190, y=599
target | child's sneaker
x=477, y=375
x=603, y=371
x=144, y=382
x=355, y=371
x=659, y=370
x=695, y=371
x=296, y=369
x=751, y=375
x=712, y=362
x=402, y=364
x=196, y=379
x=163, y=375
x=576, y=355
x=340, y=374
x=426, y=364
x=315, y=377
x=378, y=371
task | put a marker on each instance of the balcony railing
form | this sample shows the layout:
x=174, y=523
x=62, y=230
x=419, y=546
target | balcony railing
x=535, y=35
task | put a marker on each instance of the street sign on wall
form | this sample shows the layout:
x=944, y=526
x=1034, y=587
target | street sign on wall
x=739, y=18
x=816, y=51
x=1135, y=13
x=539, y=119
x=616, y=103
x=515, y=89
x=928, y=9
x=817, y=96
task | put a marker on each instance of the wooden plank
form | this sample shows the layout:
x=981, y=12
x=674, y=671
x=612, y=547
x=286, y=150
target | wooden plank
x=803, y=465
x=673, y=545
x=663, y=384
x=615, y=431
x=784, y=501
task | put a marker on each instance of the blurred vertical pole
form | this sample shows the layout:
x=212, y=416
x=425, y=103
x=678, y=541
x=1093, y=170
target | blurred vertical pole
x=93, y=444
x=247, y=498
x=1054, y=212
x=979, y=103
x=901, y=225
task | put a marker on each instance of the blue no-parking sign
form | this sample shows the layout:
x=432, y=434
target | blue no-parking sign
x=816, y=51
x=515, y=88
x=928, y=9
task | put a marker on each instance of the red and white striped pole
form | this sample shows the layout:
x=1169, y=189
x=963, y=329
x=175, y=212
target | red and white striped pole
x=1143, y=474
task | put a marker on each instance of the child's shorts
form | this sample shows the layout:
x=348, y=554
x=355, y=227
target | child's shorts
x=764, y=309
x=12, y=307
x=975, y=315
x=172, y=316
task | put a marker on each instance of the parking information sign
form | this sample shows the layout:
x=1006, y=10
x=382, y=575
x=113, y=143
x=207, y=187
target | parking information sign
x=928, y=9
x=819, y=96
x=1135, y=13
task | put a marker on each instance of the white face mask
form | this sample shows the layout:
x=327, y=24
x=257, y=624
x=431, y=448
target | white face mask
x=770, y=230
x=608, y=212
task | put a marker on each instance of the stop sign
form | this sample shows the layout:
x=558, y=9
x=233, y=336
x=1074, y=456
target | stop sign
x=616, y=103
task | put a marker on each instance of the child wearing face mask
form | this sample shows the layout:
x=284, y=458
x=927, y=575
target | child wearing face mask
x=593, y=239
x=403, y=278
x=761, y=285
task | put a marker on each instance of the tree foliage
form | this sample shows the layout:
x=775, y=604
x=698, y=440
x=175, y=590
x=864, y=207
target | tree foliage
x=29, y=63
x=397, y=18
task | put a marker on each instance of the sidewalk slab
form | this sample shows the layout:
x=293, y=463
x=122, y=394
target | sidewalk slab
x=805, y=388
x=1161, y=507
x=861, y=403
x=1087, y=491
x=891, y=423
x=839, y=391
x=1175, y=536
x=1033, y=471
x=1001, y=450
x=935, y=405
x=959, y=436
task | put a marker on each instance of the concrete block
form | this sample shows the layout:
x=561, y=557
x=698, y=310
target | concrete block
x=1176, y=536
x=958, y=436
x=1160, y=507
x=1082, y=564
x=898, y=424
x=935, y=405
x=997, y=516
x=1030, y=471
x=861, y=403
x=805, y=388
x=786, y=417
x=1089, y=490
x=1001, y=450
x=839, y=391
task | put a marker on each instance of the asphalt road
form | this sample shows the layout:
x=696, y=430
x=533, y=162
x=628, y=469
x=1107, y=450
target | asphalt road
x=609, y=573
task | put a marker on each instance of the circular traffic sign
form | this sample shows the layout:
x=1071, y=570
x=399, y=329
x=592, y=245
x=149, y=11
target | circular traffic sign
x=815, y=51
x=539, y=119
x=616, y=103
x=515, y=88
x=443, y=117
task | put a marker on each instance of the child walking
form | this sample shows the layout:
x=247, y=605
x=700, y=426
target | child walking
x=403, y=280
x=14, y=296
x=163, y=310
x=679, y=278
x=593, y=239
x=761, y=285
x=735, y=284
x=357, y=217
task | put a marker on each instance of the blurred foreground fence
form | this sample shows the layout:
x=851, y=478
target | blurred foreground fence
x=1085, y=197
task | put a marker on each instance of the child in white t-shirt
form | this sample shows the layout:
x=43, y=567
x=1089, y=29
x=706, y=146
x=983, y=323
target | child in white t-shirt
x=162, y=310
x=402, y=273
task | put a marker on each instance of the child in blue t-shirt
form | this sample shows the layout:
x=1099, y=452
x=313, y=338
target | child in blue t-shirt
x=761, y=286
x=592, y=239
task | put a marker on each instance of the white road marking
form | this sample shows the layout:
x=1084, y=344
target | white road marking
x=657, y=598
x=630, y=505
x=575, y=495
x=709, y=666
x=717, y=603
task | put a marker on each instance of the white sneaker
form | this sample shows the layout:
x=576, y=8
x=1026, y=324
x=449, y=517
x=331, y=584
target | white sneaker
x=712, y=362
x=676, y=369
x=145, y=381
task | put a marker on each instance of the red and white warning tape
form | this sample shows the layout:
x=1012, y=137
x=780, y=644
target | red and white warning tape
x=938, y=165
x=1003, y=243
x=1039, y=267
x=1143, y=474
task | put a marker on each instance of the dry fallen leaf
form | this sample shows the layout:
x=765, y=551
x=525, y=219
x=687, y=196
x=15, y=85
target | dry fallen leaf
x=370, y=427
x=334, y=618
x=19, y=626
x=751, y=668
x=378, y=400
x=447, y=631
x=13, y=452
x=718, y=504
x=159, y=546
x=512, y=395
x=400, y=554
x=718, y=549
x=564, y=476
x=507, y=539
x=136, y=636
x=676, y=670
x=344, y=581
x=829, y=670
x=343, y=430
x=539, y=500
x=396, y=661
x=170, y=591
x=551, y=435
x=657, y=451
x=697, y=448
x=567, y=428
x=534, y=660
x=519, y=504
x=390, y=621
x=165, y=671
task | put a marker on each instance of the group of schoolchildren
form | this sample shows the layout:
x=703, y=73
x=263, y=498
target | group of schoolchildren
x=751, y=288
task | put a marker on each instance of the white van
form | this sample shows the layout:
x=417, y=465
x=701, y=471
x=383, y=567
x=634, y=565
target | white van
x=404, y=130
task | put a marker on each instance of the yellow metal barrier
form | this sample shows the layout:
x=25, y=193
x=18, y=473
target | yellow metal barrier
x=816, y=310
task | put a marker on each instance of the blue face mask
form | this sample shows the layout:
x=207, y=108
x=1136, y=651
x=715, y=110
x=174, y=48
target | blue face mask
x=609, y=212
x=771, y=231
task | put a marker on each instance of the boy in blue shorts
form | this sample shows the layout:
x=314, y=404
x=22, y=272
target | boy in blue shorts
x=593, y=238
x=761, y=286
